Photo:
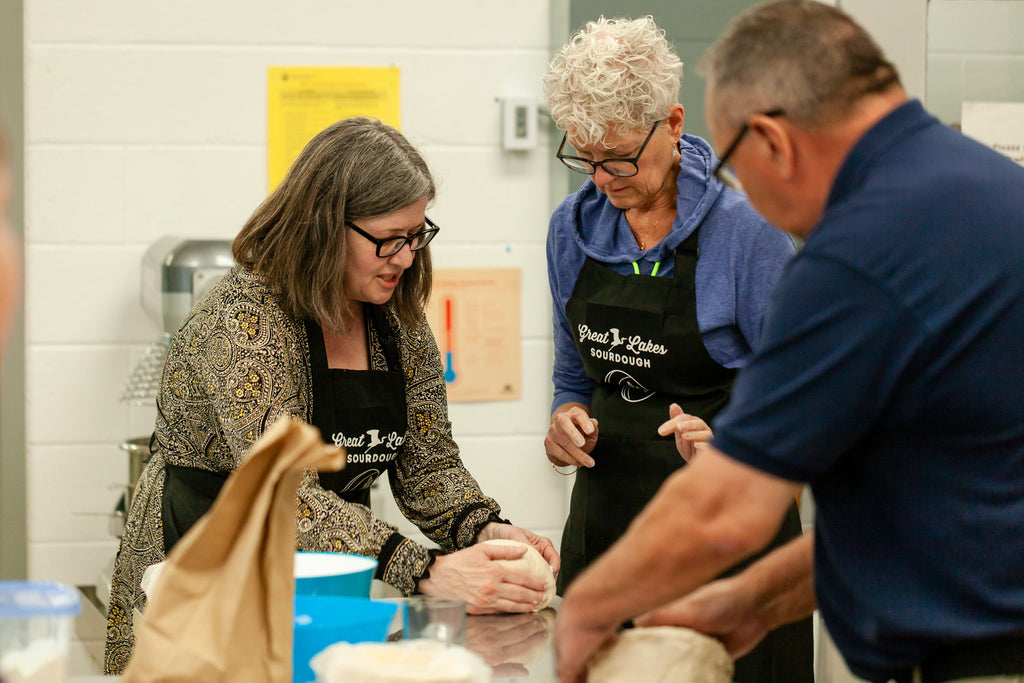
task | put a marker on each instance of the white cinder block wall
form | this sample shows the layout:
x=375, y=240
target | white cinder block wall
x=975, y=54
x=149, y=119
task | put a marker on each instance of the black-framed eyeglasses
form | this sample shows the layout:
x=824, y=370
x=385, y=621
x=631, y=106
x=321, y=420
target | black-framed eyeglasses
x=389, y=246
x=622, y=168
x=723, y=172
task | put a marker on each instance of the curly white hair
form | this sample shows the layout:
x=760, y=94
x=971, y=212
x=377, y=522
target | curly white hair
x=614, y=76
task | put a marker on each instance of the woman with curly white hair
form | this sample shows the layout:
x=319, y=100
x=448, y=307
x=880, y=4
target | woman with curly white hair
x=660, y=276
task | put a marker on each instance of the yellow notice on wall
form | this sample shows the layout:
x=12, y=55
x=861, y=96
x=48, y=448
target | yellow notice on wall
x=302, y=101
x=474, y=314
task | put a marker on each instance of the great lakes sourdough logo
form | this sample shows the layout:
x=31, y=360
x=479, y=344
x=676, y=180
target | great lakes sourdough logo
x=358, y=447
x=630, y=350
x=622, y=349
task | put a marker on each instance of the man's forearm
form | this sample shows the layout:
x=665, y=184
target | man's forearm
x=783, y=582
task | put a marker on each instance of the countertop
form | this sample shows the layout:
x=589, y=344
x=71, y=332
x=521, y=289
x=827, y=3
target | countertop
x=517, y=647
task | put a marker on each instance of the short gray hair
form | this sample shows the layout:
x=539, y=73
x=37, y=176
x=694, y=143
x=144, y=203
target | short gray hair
x=810, y=59
x=297, y=238
x=614, y=76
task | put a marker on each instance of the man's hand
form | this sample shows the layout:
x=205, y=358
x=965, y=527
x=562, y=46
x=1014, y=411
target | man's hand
x=740, y=610
x=575, y=641
x=721, y=609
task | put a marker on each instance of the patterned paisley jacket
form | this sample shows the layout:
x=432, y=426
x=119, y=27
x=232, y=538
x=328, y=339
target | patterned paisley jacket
x=237, y=364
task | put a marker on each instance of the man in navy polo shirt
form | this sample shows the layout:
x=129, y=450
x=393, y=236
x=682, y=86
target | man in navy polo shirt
x=889, y=375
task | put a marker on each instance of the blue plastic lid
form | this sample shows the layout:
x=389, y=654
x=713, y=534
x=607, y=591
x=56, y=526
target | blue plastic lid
x=20, y=599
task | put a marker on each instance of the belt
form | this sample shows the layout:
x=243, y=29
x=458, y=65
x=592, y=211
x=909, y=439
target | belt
x=996, y=656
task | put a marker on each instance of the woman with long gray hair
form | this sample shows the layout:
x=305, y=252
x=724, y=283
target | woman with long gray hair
x=321, y=320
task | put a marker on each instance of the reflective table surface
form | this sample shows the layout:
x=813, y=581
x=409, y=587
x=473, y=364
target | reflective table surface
x=515, y=646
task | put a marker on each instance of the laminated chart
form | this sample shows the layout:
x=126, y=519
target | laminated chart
x=474, y=314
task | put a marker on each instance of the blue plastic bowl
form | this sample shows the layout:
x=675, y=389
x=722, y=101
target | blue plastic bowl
x=333, y=574
x=323, y=620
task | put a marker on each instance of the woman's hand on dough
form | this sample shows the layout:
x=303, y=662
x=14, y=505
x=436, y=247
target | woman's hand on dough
x=488, y=587
x=722, y=609
x=513, y=533
x=692, y=433
x=571, y=437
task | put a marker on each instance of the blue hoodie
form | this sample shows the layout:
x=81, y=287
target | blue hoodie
x=741, y=259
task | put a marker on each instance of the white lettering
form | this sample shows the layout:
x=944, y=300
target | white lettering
x=340, y=440
x=620, y=358
x=635, y=344
x=587, y=335
x=391, y=441
x=355, y=458
x=638, y=346
x=394, y=441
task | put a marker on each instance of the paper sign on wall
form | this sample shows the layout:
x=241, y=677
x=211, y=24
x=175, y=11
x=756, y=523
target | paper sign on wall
x=1000, y=125
x=474, y=314
x=302, y=101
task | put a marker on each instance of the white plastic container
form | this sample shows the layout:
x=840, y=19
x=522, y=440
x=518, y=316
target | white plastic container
x=36, y=619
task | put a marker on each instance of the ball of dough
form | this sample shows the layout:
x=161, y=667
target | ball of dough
x=661, y=653
x=407, y=661
x=534, y=563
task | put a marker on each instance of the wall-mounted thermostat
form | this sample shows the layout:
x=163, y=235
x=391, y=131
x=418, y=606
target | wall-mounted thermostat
x=518, y=123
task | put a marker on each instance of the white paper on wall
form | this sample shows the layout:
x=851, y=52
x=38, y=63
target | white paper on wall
x=999, y=125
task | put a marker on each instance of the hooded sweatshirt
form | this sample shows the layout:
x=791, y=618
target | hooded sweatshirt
x=741, y=259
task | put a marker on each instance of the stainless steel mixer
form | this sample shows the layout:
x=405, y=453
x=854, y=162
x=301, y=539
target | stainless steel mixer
x=176, y=272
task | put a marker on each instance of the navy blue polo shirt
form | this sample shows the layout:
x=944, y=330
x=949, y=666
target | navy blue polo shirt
x=890, y=375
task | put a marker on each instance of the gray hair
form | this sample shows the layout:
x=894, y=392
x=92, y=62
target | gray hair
x=805, y=57
x=614, y=76
x=355, y=168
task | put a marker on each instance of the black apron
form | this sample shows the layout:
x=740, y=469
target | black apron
x=639, y=341
x=362, y=410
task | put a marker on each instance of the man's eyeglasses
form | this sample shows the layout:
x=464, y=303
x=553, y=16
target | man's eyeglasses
x=389, y=246
x=723, y=172
x=622, y=168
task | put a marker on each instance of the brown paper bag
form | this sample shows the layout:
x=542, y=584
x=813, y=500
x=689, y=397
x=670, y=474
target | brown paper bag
x=224, y=608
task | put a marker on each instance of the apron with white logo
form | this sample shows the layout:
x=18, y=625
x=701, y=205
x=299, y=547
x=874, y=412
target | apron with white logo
x=362, y=410
x=639, y=341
